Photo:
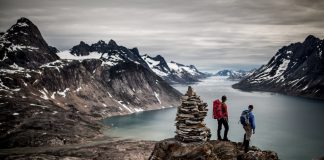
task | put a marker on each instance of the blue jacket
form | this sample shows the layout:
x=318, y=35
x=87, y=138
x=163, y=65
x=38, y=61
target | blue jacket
x=252, y=120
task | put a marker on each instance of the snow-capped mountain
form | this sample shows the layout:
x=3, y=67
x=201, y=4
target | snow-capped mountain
x=43, y=93
x=234, y=75
x=226, y=72
x=297, y=69
x=173, y=72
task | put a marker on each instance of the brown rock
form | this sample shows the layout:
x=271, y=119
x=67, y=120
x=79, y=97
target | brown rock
x=172, y=149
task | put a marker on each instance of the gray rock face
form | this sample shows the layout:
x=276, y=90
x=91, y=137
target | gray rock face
x=190, y=119
x=297, y=69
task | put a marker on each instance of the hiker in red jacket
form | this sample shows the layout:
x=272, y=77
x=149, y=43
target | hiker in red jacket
x=220, y=113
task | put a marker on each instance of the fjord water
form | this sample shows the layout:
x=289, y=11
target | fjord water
x=291, y=126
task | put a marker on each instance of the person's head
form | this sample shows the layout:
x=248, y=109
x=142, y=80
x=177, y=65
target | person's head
x=250, y=107
x=224, y=98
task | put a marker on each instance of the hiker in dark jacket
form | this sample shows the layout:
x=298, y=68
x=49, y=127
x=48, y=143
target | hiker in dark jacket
x=249, y=128
x=221, y=114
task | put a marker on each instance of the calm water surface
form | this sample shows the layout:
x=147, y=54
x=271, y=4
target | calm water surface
x=291, y=126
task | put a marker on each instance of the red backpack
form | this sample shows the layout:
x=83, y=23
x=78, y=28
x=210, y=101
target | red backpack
x=217, y=109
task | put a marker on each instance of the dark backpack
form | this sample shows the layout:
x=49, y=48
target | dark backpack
x=217, y=109
x=244, y=118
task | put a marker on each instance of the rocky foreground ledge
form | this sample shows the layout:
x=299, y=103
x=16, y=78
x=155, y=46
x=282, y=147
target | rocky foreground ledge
x=169, y=149
x=172, y=149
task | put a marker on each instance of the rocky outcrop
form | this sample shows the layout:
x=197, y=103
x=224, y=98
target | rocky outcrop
x=175, y=150
x=190, y=119
x=296, y=69
x=211, y=150
x=57, y=101
x=174, y=72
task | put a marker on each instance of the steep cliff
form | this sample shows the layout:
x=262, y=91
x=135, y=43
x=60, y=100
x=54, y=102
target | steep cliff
x=297, y=69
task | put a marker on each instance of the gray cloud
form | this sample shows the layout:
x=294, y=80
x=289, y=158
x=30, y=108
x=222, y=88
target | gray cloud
x=212, y=34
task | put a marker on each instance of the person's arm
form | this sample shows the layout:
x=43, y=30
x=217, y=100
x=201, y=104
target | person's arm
x=214, y=109
x=225, y=111
x=252, y=121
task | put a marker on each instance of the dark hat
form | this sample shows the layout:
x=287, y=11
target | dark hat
x=224, y=98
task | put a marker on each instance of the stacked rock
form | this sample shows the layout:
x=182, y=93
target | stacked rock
x=190, y=119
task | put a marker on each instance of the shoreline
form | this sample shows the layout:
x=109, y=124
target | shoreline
x=276, y=92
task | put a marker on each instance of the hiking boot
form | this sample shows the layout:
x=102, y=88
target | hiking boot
x=226, y=139
x=246, y=146
x=244, y=140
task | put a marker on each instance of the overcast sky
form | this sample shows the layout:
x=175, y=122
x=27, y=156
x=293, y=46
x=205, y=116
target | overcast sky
x=211, y=34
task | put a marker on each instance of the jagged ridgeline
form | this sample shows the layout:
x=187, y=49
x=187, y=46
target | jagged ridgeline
x=46, y=100
x=190, y=119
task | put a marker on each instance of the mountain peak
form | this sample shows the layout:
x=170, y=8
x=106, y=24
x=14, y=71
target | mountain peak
x=83, y=43
x=158, y=57
x=24, y=20
x=112, y=43
x=25, y=38
x=101, y=42
x=311, y=39
x=81, y=49
x=135, y=51
x=24, y=27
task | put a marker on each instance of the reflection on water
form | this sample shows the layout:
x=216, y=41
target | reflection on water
x=291, y=126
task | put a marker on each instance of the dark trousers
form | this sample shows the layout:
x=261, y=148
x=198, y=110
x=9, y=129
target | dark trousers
x=221, y=122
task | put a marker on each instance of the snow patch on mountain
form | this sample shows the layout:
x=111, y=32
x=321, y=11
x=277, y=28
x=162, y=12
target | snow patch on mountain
x=67, y=55
x=179, y=68
x=157, y=97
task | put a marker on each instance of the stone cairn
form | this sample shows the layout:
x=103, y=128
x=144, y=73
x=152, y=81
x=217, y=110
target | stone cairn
x=190, y=119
